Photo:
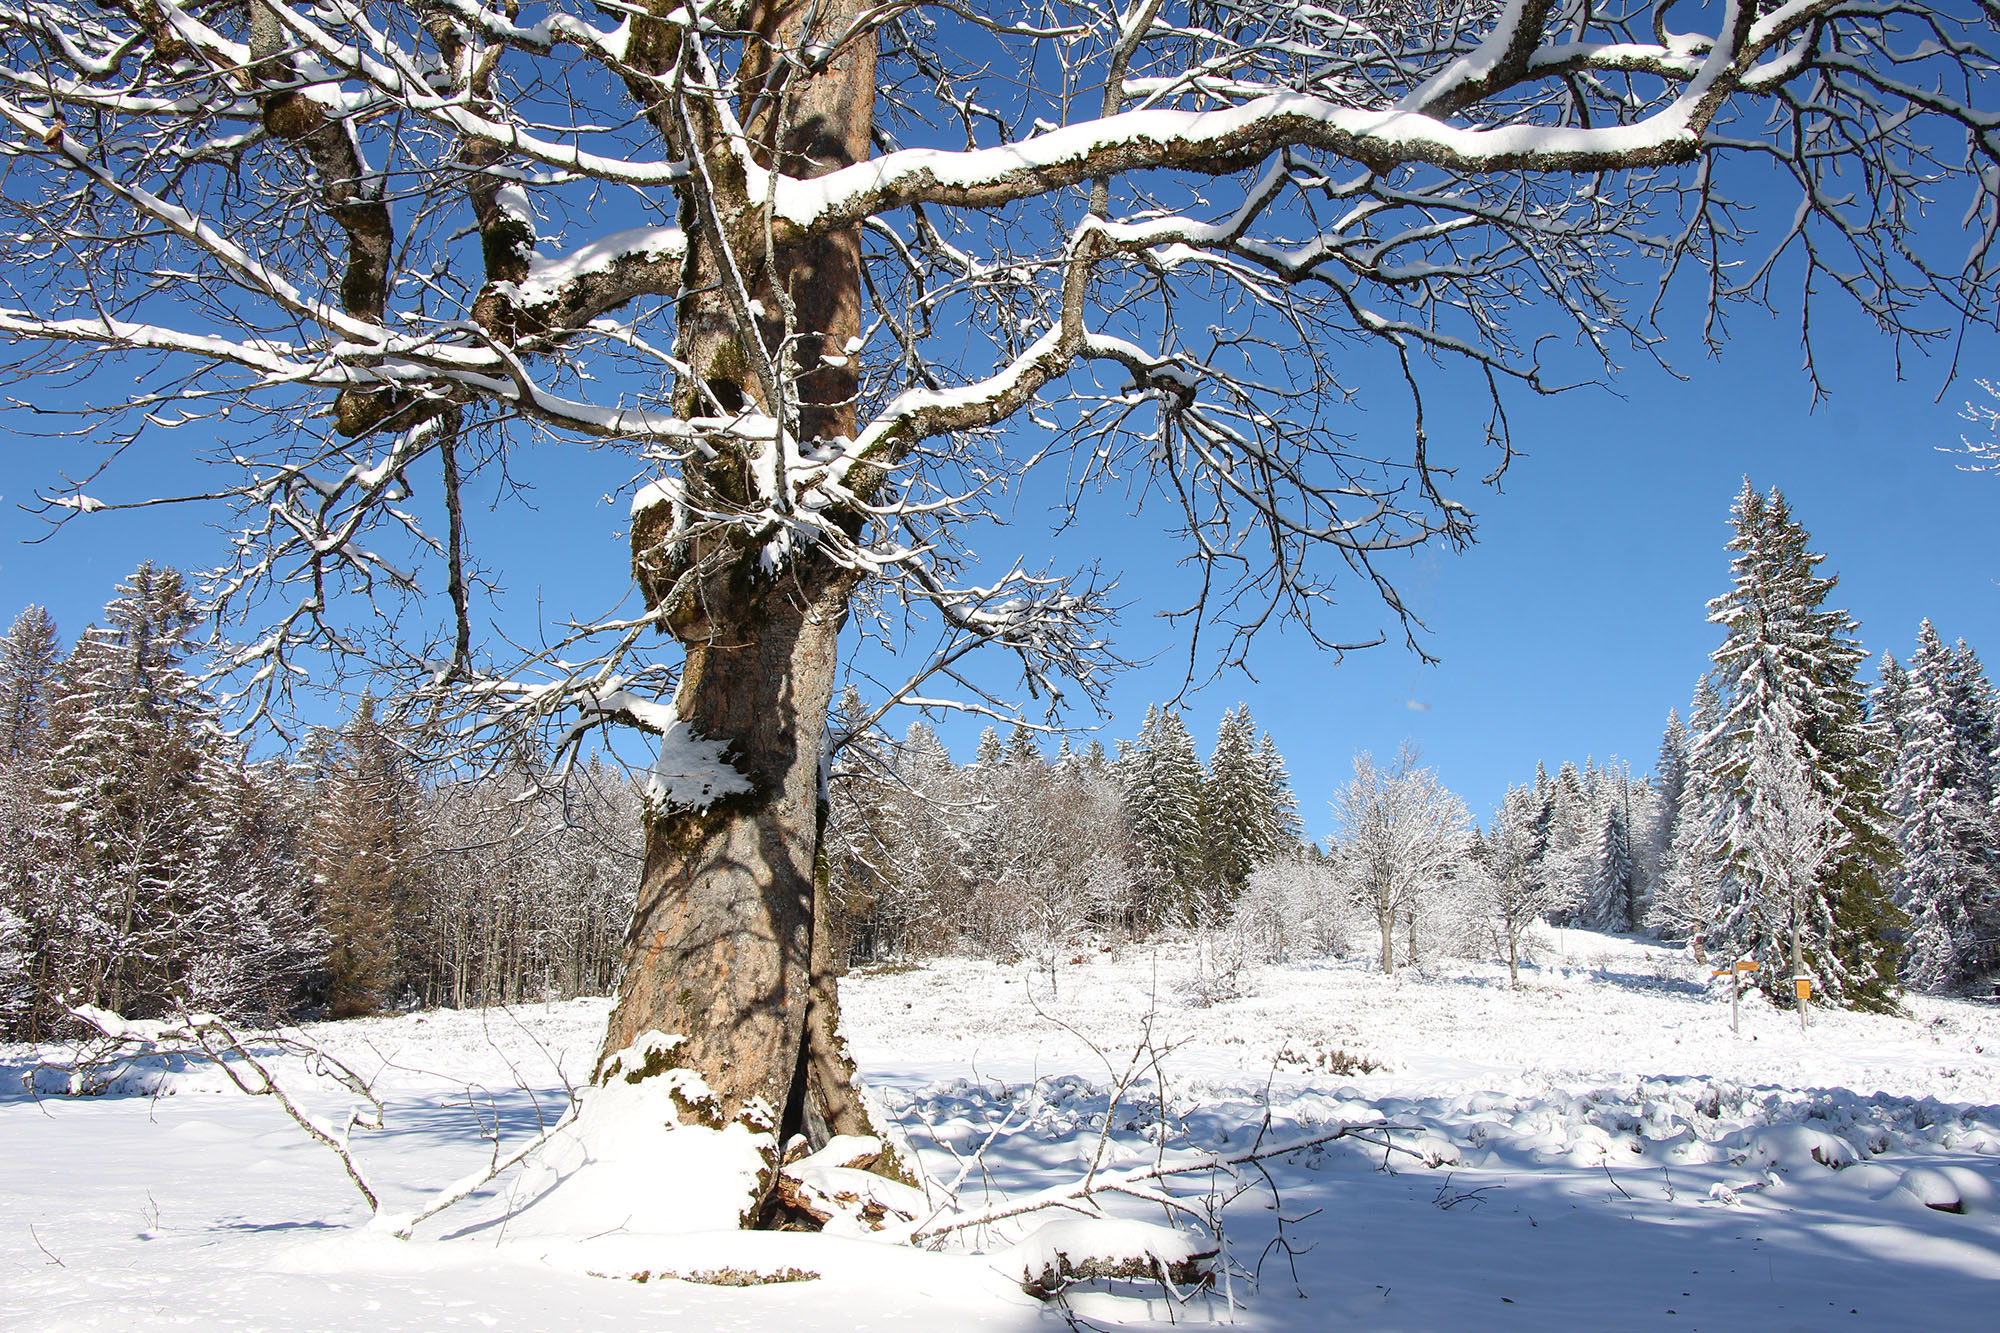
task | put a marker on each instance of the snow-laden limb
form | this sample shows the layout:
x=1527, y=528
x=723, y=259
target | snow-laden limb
x=207, y=1037
x=1445, y=164
x=836, y=1188
x=1140, y=1182
x=403, y=1226
x=1085, y=1249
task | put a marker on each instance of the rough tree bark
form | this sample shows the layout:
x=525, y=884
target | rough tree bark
x=726, y=947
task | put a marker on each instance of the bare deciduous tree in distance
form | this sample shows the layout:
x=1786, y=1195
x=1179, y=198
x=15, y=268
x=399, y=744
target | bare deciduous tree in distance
x=804, y=259
x=1399, y=836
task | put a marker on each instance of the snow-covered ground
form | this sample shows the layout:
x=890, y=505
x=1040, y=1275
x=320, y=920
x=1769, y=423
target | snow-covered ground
x=1595, y=1146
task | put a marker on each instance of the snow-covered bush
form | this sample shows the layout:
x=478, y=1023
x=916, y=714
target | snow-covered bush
x=1219, y=960
x=1295, y=907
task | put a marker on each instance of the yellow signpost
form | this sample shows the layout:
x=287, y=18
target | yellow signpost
x=1734, y=972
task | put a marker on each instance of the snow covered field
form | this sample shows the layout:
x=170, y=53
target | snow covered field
x=1594, y=1147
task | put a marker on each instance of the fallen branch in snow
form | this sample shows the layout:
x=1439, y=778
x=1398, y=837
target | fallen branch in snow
x=403, y=1226
x=1137, y=1182
x=36, y=1236
x=206, y=1037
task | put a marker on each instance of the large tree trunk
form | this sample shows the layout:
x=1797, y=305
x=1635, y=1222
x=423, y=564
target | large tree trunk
x=721, y=946
x=727, y=951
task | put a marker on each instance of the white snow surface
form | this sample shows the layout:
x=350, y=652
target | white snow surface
x=1595, y=1147
x=614, y=1166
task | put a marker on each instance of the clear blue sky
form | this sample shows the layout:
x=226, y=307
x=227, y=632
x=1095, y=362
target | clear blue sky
x=1568, y=630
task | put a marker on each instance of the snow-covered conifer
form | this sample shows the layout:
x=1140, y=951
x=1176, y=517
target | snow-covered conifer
x=1654, y=839
x=1786, y=676
x=1162, y=778
x=1506, y=887
x=1023, y=747
x=1238, y=822
x=1608, y=899
x=1949, y=880
x=1688, y=893
x=28, y=658
x=127, y=728
x=992, y=751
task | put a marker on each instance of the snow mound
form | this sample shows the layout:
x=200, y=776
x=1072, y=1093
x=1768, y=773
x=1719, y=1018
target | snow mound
x=1790, y=1148
x=644, y=1155
x=836, y=1186
x=1947, y=1189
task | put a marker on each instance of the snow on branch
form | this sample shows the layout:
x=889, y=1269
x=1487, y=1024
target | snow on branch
x=208, y=1038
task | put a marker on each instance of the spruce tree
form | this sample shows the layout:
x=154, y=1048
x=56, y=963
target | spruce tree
x=1949, y=880
x=28, y=659
x=1235, y=821
x=127, y=729
x=1888, y=706
x=1564, y=843
x=1688, y=895
x=992, y=752
x=365, y=854
x=31, y=863
x=1280, y=807
x=1608, y=903
x=1786, y=676
x=1668, y=781
x=1162, y=780
x=1022, y=747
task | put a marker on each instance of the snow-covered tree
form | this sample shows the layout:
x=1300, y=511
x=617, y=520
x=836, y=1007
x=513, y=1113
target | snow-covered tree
x=29, y=656
x=379, y=248
x=1668, y=781
x=1296, y=906
x=1888, y=707
x=32, y=878
x=1162, y=777
x=248, y=930
x=1282, y=832
x=1400, y=835
x=1565, y=844
x=1785, y=674
x=1789, y=833
x=992, y=751
x=1949, y=880
x=1609, y=897
x=1685, y=904
x=1248, y=813
x=1505, y=886
x=127, y=730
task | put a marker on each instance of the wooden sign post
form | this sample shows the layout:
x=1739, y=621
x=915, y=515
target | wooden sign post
x=1735, y=974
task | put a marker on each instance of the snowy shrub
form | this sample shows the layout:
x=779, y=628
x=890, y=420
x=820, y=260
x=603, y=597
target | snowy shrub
x=1219, y=957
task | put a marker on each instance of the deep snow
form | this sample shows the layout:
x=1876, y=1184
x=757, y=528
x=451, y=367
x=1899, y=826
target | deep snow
x=1595, y=1146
